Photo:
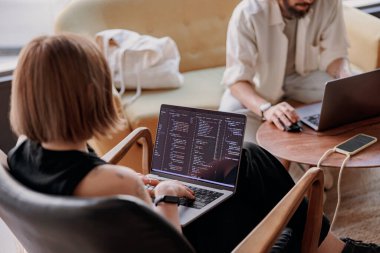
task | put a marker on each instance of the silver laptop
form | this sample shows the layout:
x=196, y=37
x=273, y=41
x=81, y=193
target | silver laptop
x=202, y=149
x=345, y=101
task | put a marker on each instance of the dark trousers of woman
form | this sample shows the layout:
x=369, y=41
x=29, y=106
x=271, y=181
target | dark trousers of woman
x=262, y=183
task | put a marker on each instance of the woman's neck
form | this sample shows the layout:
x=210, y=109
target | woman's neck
x=61, y=146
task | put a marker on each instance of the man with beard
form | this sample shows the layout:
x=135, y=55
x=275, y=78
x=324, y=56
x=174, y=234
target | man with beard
x=278, y=50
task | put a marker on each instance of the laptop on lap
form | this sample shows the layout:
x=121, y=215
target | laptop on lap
x=202, y=149
x=345, y=100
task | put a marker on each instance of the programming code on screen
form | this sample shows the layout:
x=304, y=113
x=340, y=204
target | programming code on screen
x=202, y=145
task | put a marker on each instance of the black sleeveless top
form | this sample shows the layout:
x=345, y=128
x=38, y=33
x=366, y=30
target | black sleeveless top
x=48, y=171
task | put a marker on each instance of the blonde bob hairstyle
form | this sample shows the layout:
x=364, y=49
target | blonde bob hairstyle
x=62, y=91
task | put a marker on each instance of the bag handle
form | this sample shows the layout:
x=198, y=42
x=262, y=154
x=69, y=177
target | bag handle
x=131, y=99
x=118, y=60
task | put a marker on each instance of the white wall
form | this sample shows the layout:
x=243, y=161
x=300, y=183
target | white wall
x=21, y=20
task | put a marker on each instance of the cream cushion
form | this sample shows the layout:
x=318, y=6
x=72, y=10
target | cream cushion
x=197, y=26
x=363, y=33
x=201, y=89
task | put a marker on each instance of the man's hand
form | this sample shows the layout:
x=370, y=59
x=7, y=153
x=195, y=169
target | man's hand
x=281, y=115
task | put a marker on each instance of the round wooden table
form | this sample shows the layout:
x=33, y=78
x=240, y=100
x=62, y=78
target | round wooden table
x=308, y=146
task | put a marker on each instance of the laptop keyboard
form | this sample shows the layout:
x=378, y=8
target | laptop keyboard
x=202, y=198
x=314, y=119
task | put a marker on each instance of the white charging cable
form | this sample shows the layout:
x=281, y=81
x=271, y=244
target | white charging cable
x=323, y=157
x=327, y=153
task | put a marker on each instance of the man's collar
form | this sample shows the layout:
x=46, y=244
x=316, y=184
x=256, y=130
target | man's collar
x=275, y=17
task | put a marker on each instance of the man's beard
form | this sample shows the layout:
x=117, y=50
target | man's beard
x=294, y=12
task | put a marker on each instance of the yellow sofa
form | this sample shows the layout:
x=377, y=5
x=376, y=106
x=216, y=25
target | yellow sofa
x=199, y=29
x=363, y=32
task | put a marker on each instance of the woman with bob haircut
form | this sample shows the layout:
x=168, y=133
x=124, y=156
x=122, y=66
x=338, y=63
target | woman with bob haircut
x=62, y=97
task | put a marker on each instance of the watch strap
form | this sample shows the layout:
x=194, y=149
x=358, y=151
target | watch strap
x=263, y=108
x=166, y=199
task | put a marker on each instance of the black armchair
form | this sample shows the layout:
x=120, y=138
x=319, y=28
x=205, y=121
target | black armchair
x=45, y=223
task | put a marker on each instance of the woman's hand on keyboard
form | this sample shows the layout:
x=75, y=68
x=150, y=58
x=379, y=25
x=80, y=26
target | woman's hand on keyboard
x=173, y=188
x=170, y=211
x=149, y=183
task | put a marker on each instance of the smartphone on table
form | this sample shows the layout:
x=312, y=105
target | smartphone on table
x=355, y=144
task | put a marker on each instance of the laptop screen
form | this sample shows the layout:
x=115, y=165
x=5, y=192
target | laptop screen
x=199, y=144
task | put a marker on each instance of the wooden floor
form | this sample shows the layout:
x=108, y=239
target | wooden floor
x=359, y=213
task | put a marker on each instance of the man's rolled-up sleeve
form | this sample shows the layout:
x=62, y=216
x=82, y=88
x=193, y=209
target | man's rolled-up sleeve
x=334, y=38
x=241, y=50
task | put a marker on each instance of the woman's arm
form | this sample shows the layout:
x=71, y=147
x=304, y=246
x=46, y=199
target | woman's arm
x=106, y=180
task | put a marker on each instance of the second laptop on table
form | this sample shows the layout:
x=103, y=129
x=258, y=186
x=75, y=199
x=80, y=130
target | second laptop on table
x=345, y=101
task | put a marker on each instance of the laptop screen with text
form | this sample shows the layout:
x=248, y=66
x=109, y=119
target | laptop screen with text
x=201, y=145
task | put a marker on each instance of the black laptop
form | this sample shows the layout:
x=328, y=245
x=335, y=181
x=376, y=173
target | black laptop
x=202, y=149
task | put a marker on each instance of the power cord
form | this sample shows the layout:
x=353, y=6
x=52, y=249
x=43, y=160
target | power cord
x=327, y=153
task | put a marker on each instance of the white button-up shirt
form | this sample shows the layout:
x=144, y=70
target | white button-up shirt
x=257, y=46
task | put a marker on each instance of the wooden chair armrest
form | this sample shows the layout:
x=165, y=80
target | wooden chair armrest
x=117, y=153
x=264, y=235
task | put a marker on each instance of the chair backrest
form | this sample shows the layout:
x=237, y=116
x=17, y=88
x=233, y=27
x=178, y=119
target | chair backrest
x=45, y=223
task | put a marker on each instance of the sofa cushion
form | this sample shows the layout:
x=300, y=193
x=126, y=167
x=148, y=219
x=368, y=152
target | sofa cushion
x=198, y=27
x=364, y=37
x=201, y=89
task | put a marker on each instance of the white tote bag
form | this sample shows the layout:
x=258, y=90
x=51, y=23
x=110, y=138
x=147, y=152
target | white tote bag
x=140, y=61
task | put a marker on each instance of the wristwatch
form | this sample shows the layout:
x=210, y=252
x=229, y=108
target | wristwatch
x=264, y=107
x=166, y=199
